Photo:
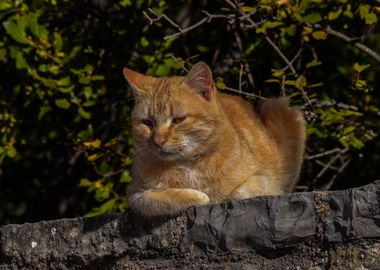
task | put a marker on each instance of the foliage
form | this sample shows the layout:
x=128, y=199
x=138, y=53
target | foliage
x=64, y=107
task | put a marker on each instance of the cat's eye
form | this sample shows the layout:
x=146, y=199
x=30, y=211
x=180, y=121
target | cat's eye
x=177, y=120
x=149, y=123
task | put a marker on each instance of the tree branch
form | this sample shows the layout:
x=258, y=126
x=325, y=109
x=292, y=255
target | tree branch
x=353, y=41
x=243, y=93
x=209, y=17
x=289, y=64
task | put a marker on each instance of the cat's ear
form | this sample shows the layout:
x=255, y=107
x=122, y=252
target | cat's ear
x=135, y=80
x=200, y=79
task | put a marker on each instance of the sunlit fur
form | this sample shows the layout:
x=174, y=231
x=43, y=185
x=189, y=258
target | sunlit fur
x=221, y=150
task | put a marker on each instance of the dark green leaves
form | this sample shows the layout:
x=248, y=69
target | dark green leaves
x=16, y=30
x=62, y=103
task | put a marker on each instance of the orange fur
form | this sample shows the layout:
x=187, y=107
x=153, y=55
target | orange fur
x=195, y=145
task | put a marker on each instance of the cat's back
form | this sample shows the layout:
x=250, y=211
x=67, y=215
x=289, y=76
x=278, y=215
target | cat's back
x=239, y=111
x=249, y=128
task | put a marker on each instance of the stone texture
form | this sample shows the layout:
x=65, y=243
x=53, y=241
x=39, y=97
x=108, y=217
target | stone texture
x=316, y=230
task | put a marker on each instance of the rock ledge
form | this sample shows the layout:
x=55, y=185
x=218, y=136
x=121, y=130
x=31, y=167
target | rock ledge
x=315, y=230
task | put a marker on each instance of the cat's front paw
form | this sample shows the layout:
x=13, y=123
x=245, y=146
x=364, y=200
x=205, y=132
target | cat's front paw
x=198, y=197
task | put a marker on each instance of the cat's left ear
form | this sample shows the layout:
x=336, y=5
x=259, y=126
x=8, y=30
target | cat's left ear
x=200, y=79
x=135, y=80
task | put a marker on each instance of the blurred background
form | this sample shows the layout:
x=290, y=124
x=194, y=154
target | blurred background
x=65, y=142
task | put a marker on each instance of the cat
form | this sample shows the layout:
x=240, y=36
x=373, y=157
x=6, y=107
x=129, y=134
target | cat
x=195, y=145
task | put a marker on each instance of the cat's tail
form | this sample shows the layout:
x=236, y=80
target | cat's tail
x=286, y=126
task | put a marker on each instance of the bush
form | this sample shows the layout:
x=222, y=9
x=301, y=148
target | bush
x=64, y=107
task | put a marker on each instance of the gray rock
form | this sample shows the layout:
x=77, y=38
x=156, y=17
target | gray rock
x=316, y=230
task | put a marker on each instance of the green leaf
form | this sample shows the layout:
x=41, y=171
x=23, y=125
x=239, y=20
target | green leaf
x=11, y=152
x=125, y=177
x=43, y=111
x=315, y=85
x=291, y=30
x=304, y=4
x=84, y=114
x=84, y=182
x=312, y=18
x=34, y=27
x=16, y=32
x=290, y=82
x=20, y=61
x=62, y=103
x=360, y=68
x=364, y=10
x=162, y=70
x=300, y=82
x=313, y=63
x=5, y=4
x=268, y=25
x=66, y=90
x=108, y=206
x=370, y=18
x=277, y=73
x=57, y=43
x=319, y=35
x=220, y=85
x=272, y=81
x=97, y=78
x=348, y=12
x=84, y=80
x=144, y=42
x=149, y=59
x=93, y=144
x=333, y=15
x=202, y=48
x=247, y=9
x=102, y=194
x=64, y=81
x=125, y=3
x=3, y=53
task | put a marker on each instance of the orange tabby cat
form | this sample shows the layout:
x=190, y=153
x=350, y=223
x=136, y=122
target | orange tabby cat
x=195, y=145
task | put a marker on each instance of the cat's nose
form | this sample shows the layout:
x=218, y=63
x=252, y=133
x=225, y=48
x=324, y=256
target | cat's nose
x=159, y=140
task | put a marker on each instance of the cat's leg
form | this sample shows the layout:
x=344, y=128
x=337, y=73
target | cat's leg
x=167, y=201
x=256, y=185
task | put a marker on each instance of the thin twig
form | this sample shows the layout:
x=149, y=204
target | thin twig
x=240, y=76
x=323, y=164
x=328, y=165
x=289, y=64
x=326, y=153
x=246, y=65
x=209, y=17
x=159, y=17
x=294, y=59
x=279, y=52
x=325, y=168
x=180, y=62
x=328, y=185
x=233, y=5
x=348, y=39
x=343, y=106
x=243, y=93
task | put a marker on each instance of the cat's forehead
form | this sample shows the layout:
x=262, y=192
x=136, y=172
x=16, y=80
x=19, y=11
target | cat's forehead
x=165, y=97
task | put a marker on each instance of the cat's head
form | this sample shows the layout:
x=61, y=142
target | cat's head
x=175, y=118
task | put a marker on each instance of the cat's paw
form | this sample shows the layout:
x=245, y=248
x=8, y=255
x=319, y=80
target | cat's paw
x=198, y=197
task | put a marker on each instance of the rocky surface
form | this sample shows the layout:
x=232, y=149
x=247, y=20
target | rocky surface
x=316, y=230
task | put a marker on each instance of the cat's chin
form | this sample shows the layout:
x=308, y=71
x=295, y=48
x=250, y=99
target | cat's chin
x=170, y=156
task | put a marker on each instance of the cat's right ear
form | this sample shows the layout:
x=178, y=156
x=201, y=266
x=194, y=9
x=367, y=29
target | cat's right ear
x=135, y=80
x=200, y=79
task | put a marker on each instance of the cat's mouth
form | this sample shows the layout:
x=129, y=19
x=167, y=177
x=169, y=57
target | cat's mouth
x=169, y=153
x=166, y=151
